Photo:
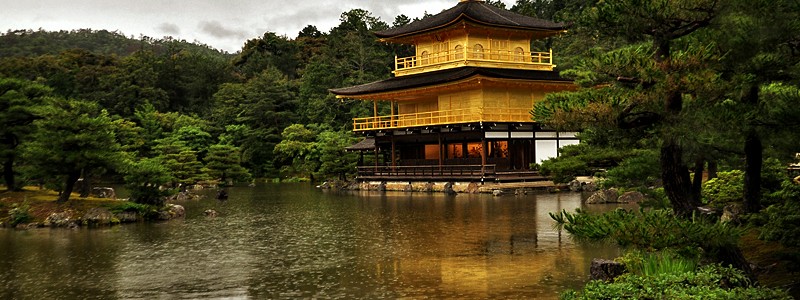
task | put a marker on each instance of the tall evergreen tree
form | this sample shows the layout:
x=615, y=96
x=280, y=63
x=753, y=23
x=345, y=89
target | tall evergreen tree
x=21, y=103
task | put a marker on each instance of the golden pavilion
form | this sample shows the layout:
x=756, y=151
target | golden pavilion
x=460, y=107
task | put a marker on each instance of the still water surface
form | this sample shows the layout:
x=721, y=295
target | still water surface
x=292, y=241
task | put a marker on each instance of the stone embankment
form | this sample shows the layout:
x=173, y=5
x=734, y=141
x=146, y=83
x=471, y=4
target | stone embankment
x=447, y=187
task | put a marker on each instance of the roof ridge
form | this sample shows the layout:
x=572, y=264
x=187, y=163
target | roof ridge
x=497, y=14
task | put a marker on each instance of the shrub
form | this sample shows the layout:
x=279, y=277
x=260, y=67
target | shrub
x=783, y=219
x=651, y=230
x=144, y=179
x=727, y=187
x=708, y=282
x=654, y=263
x=19, y=214
x=581, y=159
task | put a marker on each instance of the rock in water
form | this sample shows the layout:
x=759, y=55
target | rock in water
x=603, y=196
x=104, y=192
x=472, y=188
x=211, y=213
x=448, y=189
x=60, y=219
x=606, y=270
x=98, y=216
x=631, y=197
x=497, y=193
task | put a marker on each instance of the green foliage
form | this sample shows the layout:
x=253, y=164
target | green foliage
x=19, y=213
x=783, y=219
x=641, y=169
x=727, y=187
x=654, y=263
x=650, y=230
x=21, y=102
x=581, y=160
x=75, y=137
x=708, y=282
x=316, y=150
x=335, y=161
x=144, y=178
x=223, y=163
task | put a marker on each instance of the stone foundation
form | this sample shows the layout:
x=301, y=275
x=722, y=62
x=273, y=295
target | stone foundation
x=457, y=187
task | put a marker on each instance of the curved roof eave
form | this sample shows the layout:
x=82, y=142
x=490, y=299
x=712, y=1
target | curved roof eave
x=475, y=11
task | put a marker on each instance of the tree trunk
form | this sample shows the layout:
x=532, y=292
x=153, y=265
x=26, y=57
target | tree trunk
x=68, y=186
x=697, y=181
x=753, y=155
x=675, y=176
x=674, y=173
x=732, y=255
x=85, y=186
x=712, y=169
x=8, y=174
x=753, y=152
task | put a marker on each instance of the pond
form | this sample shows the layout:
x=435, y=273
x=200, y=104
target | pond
x=287, y=241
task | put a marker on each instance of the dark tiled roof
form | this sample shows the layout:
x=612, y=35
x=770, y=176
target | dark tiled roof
x=476, y=11
x=365, y=144
x=444, y=76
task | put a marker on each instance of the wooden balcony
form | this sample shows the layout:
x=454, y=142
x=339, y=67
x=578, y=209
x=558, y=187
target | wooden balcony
x=443, y=117
x=479, y=57
x=430, y=172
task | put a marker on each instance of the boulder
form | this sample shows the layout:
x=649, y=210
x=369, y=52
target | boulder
x=408, y=187
x=428, y=187
x=497, y=193
x=448, y=189
x=732, y=212
x=590, y=186
x=164, y=215
x=606, y=270
x=127, y=216
x=631, y=197
x=575, y=185
x=382, y=186
x=104, y=192
x=472, y=188
x=603, y=196
x=59, y=219
x=176, y=211
x=98, y=216
x=211, y=213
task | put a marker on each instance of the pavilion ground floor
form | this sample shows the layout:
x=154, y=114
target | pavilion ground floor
x=471, y=152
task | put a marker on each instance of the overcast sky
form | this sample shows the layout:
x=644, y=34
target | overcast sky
x=222, y=24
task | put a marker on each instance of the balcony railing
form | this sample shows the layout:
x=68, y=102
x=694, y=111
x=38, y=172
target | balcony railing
x=443, y=117
x=474, y=56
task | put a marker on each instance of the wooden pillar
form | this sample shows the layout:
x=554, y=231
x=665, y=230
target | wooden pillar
x=483, y=154
x=464, y=150
x=376, y=154
x=392, y=104
x=393, y=157
x=375, y=108
x=441, y=151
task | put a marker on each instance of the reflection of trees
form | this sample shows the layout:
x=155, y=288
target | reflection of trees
x=55, y=264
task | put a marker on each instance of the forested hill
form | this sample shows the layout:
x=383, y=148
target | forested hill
x=40, y=42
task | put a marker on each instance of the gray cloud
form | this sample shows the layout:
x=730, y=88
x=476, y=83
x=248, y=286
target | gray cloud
x=169, y=28
x=217, y=30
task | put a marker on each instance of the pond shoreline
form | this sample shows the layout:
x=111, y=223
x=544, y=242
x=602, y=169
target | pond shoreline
x=37, y=208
